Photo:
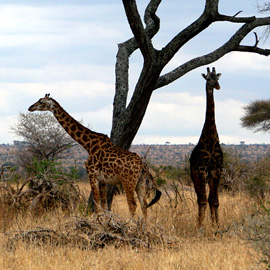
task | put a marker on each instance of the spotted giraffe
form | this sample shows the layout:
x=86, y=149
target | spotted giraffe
x=107, y=163
x=206, y=159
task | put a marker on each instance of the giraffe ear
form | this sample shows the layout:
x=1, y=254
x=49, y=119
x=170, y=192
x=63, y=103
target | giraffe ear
x=204, y=76
x=219, y=75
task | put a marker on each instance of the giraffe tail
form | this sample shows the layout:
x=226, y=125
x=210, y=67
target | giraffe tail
x=156, y=198
x=157, y=192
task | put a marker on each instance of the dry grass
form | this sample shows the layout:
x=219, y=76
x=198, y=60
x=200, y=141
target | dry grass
x=177, y=245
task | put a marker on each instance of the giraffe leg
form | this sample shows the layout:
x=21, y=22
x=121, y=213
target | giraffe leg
x=103, y=195
x=129, y=190
x=95, y=190
x=141, y=193
x=199, y=181
x=213, y=195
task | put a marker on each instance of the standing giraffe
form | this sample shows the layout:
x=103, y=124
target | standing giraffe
x=207, y=158
x=107, y=163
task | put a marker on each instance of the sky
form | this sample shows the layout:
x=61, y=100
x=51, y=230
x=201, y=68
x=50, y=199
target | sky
x=68, y=49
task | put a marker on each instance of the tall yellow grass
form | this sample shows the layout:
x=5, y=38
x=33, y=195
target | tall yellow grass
x=216, y=249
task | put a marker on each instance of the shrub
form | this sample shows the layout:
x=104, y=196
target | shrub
x=257, y=231
x=258, y=181
x=48, y=188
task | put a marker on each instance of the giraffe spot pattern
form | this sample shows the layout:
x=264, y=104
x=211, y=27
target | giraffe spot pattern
x=206, y=159
x=107, y=163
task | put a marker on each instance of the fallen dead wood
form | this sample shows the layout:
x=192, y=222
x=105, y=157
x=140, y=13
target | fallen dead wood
x=94, y=233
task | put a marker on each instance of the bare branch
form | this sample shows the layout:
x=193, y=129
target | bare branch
x=237, y=13
x=137, y=28
x=253, y=49
x=209, y=16
x=235, y=19
x=151, y=20
x=263, y=8
x=256, y=39
x=233, y=44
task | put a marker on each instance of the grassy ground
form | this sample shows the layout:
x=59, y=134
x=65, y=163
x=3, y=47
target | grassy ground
x=180, y=245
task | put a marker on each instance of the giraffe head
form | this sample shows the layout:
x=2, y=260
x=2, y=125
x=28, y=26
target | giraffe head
x=212, y=79
x=43, y=104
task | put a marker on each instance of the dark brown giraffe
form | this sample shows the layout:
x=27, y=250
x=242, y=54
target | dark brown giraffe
x=207, y=158
x=107, y=163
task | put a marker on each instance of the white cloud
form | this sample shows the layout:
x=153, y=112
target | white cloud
x=173, y=112
x=56, y=72
x=5, y=132
x=4, y=101
x=179, y=118
x=99, y=120
x=244, y=62
x=59, y=26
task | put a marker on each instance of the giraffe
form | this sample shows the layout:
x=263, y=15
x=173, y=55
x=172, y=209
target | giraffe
x=206, y=159
x=107, y=163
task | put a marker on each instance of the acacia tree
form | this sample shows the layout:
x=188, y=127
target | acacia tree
x=127, y=117
x=257, y=116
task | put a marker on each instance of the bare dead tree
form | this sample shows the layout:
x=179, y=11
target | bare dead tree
x=127, y=117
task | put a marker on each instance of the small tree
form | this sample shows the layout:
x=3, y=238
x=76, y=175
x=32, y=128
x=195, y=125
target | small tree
x=45, y=139
x=257, y=115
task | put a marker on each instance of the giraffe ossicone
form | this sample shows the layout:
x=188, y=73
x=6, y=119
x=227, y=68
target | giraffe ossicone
x=206, y=160
x=107, y=163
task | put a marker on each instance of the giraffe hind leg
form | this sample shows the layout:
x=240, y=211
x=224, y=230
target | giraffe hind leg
x=129, y=190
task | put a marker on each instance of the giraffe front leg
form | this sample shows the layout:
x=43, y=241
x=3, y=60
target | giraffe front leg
x=103, y=196
x=213, y=196
x=202, y=204
x=95, y=190
x=199, y=181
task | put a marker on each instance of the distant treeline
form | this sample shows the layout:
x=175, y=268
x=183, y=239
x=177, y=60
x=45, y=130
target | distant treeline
x=167, y=154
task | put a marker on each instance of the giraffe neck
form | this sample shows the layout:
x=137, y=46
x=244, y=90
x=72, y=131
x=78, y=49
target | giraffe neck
x=77, y=131
x=210, y=124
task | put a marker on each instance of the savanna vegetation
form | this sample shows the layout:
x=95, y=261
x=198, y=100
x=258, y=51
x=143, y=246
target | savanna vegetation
x=45, y=222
